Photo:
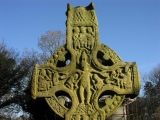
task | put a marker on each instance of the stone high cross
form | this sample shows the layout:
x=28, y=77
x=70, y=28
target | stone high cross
x=84, y=79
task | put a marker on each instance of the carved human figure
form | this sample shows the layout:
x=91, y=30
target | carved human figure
x=124, y=78
x=90, y=41
x=106, y=77
x=98, y=82
x=51, y=62
x=90, y=31
x=85, y=80
x=121, y=78
x=89, y=45
x=83, y=40
x=128, y=81
x=55, y=78
x=61, y=56
x=76, y=43
x=44, y=81
x=72, y=82
x=114, y=78
x=90, y=36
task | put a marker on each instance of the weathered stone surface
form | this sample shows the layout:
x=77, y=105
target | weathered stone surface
x=85, y=79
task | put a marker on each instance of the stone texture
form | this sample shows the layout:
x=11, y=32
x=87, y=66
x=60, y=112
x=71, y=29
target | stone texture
x=84, y=79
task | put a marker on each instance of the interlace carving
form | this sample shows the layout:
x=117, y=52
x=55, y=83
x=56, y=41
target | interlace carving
x=84, y=79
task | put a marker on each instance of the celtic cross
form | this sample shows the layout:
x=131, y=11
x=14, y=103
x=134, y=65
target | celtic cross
x=84, y=79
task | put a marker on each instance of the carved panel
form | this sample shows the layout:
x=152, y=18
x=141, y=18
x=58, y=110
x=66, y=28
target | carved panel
x=84, y=79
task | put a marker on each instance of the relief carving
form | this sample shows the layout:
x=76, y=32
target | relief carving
x=95, y=81
x=44, y=81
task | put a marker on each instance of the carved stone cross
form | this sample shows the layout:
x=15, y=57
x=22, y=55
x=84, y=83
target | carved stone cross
x=84, y=79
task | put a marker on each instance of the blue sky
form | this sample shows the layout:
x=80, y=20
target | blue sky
x=130, y=27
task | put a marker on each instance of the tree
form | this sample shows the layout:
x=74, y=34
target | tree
x=141, y=108
x=39, y=109
x=15, y=71
x=8, y=69
x=16, y=82
x=49, y=42
x=150, y=103
x=10, y=74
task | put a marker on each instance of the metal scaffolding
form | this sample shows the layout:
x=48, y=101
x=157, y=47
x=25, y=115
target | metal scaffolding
x=127, y=111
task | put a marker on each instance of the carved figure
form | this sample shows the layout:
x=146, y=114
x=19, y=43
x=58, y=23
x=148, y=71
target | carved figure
x=98, y=82
x=121, y=81
x=72, y=82
x=90, y=31
x=61, y=56
x=55, y=78
x=74, y=91
x=90, y=36
x=44, y=81
x=83, y=41
x=76, y=38
x=85, y=80
x=114, y=78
